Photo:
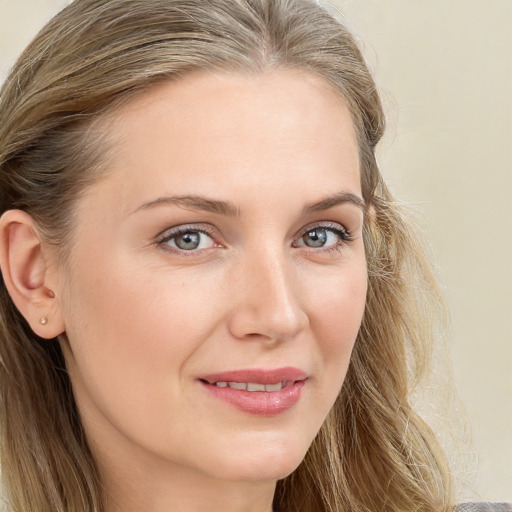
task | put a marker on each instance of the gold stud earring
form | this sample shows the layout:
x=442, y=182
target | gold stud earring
x=43, y=320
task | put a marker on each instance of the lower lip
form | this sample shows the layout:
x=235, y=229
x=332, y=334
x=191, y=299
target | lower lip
x=260, y=403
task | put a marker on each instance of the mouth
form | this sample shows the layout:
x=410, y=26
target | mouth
x=257, y=376
x=257, y=391
x=252, y=386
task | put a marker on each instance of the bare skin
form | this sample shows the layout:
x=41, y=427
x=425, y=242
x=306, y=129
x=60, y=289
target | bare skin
x=225, y=236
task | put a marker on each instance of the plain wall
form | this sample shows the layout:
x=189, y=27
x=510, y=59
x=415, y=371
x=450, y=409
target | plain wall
x=445, y=70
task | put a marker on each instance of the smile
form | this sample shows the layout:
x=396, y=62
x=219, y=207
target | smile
x=257, y=391
x=254, y=386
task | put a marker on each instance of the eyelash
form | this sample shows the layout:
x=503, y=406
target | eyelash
x=343, y=234
x=183, y=230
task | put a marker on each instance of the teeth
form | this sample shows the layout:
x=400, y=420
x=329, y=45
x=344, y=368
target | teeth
x=237, y=385
x=252, y=386
x=255, y=387
x=274, y=387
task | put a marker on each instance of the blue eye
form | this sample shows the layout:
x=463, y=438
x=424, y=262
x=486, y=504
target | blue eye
x=323, y=237
x=188, y=240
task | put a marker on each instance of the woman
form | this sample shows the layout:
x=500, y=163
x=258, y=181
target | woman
x=196, y=242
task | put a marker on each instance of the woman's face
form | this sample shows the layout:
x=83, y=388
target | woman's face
x=221, y=251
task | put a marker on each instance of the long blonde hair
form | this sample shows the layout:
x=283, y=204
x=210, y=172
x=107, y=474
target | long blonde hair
x=373, y=453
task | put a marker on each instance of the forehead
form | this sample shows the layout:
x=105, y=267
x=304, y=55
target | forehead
x=210, y=128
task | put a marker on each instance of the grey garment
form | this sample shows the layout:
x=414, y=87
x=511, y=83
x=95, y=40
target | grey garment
x=484, y=507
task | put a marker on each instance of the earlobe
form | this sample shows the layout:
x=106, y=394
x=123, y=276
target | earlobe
x=25, y=273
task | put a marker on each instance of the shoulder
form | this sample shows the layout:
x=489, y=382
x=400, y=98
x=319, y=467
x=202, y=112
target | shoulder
x=484, y=507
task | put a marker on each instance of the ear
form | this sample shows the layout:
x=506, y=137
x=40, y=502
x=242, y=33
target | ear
x=25, y=270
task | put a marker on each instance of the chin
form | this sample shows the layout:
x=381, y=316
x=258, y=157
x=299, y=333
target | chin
x=270, y=462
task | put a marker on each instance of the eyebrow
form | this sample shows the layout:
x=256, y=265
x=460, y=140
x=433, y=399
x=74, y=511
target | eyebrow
x=335, y=200
x=194, y=202
x=230, y=209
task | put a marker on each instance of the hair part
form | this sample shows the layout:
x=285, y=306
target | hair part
x=373, y=453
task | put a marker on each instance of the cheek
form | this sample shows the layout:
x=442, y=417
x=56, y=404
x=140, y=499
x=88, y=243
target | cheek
x=338, y=311
x=143, y=317
x=131, y=349
x=131, y=336
x=335, y=321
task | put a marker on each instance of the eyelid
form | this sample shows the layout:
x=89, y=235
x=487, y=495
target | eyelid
x=209, y=230
x=342, y=231
x=335, y=226
x=170, y=233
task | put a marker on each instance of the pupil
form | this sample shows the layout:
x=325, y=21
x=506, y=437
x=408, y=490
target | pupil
x=316, y=238
x=188, y=241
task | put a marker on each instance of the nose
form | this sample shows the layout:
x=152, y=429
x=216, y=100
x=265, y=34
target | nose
x=267, y=305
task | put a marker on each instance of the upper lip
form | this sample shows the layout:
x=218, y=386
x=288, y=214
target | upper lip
x=257, y=375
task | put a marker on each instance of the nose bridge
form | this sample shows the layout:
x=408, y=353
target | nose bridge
x=268, y=303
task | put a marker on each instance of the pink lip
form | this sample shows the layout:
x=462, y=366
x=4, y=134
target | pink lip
x=261, y=403
x=257, y=375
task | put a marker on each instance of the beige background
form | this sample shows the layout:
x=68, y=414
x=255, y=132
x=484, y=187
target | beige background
x=445, y=70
